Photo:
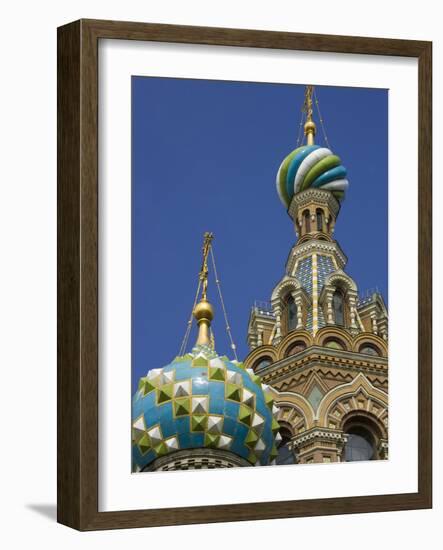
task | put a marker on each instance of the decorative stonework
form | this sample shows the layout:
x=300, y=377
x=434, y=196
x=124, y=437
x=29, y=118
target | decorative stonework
x=197, y=459
x=303, y=199
x=315, y=246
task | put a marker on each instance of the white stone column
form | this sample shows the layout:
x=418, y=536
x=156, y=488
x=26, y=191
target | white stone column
x=298, y=302
x=329, y=310
x=277, y=313
x=314, y=294
x=374, y=324
x=353, y=310
x=259, y=335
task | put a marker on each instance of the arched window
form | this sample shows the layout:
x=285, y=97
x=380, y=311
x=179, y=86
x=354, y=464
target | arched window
x=360, y=444
x=319, y=214
x=307, y=220
x=338, y=305
x=369, y=349
x=262, y=363
x=285, y=454
x=296, y=347
x=291, y=312
x=334, y=343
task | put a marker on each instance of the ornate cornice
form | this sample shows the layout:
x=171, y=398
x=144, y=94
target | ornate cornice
x=300, y=200
x=315, y=247
x=324, y=434
x=320, y=356
x=197, y=459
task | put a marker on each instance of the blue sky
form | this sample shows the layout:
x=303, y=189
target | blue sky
x=205, y=156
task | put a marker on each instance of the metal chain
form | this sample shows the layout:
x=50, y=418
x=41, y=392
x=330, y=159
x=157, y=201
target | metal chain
x=228, y=328
x=321, y=121
x=300, y=129
x=189, y=326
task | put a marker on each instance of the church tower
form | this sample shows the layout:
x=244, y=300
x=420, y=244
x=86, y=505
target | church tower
x=320, y=345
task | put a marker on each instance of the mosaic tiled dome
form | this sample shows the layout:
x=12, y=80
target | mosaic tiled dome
x=311, y=166
x=201, y=400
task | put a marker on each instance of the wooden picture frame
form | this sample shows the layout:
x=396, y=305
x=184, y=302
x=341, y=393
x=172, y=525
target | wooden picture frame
x=78, y=273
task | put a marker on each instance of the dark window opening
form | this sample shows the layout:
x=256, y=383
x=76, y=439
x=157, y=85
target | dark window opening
x=319, y=220
x=369, y=349
x=262, y=363
x=360, y=445
x=307, y=218
x=291, y=309
x=296, y=347
x=334, y=344
x=338, y=306
x=285, y=454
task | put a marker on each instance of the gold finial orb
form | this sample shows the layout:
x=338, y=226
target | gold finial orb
x=203, y=311
x=310, y=127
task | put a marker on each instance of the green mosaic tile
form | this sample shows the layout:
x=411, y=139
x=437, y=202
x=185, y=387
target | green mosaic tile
x=164, y=393
x=269, y=400
x=198, y=423
x=137, y=435
x=233, y=392
x=245, y=415
x=211, y=440
x=275, y=426
x=161, y=449
x=182, y=406
x=146, y=386
x=252, y=458
x=274, y=452
x=200, y=362
x=217, y=374
x=251, y=439
x=144, y=444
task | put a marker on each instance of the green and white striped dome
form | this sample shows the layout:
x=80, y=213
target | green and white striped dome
x=311, y=166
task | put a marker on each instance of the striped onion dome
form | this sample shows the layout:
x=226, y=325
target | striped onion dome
x=311, y=166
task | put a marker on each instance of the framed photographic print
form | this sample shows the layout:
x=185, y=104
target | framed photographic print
x=244, y=275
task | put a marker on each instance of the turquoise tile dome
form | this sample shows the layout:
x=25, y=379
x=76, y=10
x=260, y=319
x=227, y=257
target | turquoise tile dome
x=310, y=166
x=202, y=400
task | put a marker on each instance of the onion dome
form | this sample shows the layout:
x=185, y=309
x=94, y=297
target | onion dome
x=310, y=166
x=203, y=401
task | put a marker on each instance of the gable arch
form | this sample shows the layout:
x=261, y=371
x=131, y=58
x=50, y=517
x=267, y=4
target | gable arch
x=347, y=391
x=341, y=280
x=299, y=335
x=335, y=333
x=257, y=353
x=382, y=432
x=286, y=285
x=370, y=338
x=295, y=402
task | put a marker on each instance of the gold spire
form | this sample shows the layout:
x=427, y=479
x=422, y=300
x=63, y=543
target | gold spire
x=310, y=127
x=203, y=311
